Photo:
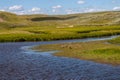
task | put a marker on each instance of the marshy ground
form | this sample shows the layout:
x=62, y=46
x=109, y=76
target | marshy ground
x=98, y=51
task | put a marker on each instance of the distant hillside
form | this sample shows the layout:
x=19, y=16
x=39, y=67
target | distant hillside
x=96, y=18
x=10, y=20
x=5, y=16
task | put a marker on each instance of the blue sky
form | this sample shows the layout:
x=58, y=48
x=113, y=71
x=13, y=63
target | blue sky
x=58, y=6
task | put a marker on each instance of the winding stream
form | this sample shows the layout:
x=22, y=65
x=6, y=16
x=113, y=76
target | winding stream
x=17, y=62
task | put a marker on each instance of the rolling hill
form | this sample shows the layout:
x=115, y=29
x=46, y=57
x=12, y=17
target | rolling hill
x=40, y=27
x=97, y=18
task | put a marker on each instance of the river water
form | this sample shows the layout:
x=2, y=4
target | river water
x=17, y=62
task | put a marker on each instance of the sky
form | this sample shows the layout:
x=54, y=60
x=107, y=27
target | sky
x=58, y=6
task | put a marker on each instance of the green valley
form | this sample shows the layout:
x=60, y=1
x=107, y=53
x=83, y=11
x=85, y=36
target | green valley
x=41, y=27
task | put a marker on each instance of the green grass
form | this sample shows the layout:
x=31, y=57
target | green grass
x=46, y=34
x=57, y=27
x=115, y=40
x=43, y=34
x=97, y=51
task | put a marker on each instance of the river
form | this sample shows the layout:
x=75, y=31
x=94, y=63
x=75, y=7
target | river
x=17, y=62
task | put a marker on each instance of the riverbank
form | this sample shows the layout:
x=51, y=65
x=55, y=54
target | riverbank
x=97, y=51
x=17, y=62
x=115, y=40
x=21, y=34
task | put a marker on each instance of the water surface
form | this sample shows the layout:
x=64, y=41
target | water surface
x=19, y=63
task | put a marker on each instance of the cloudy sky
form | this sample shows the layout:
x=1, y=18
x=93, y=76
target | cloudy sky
x=58, y=6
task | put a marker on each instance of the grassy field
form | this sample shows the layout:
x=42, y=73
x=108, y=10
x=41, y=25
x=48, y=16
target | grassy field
x=115, y=41
x=97, y=51
x=46, y=34
x=38, y=27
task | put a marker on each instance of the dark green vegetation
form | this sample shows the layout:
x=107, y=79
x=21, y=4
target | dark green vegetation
x=98, y=51
x=48, y=27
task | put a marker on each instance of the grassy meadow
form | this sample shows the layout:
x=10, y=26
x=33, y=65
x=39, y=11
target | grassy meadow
x=97, y=51
x=40, y=27
x=46, y=34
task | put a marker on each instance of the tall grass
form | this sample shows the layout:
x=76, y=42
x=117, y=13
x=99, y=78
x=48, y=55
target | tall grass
x=46, y=34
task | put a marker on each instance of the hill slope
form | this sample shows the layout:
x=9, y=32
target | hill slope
x=56, y=27
x=97, y=18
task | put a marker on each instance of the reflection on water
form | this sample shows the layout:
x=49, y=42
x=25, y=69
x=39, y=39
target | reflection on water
x=17, y=62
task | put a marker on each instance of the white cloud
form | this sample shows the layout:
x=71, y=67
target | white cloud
x=35, y=9
x=116, y=8
x=2, y=10
x=93, y=10
x=114, y=1
x=57, y=7
x=21, y=12
x=54, y=10
x=90, y=10
x=72, y=11
x=81, y=2
x=84, y=10
x=16, y=8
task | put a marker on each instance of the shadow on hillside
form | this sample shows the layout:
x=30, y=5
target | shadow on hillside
x=52, y=18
